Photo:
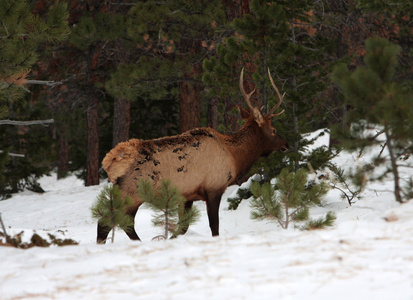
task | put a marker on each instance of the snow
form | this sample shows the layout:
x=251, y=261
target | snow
x=368, y=254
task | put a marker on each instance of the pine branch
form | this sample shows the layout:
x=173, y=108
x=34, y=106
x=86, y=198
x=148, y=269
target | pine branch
x=3, y=227
x=44, y=82
x=14, y=154
x=26, y=123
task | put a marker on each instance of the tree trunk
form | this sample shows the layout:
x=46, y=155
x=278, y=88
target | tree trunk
x=92, y=171
x=230, y=119
x=394, y=167
x=338, y=106
x=213, y=120
x=236, y=8
x=189, y=106
x=121, y=121
x=63, y=159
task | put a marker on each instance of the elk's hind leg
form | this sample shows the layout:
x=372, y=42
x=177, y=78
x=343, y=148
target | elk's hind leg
x=130, y=230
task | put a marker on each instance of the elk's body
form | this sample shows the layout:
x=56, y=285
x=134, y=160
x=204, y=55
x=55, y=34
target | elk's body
x=201, y=162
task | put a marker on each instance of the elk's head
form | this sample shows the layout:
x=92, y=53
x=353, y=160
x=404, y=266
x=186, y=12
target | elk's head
x=271, y=141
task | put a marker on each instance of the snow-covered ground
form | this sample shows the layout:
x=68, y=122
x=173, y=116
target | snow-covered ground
x=368, y=254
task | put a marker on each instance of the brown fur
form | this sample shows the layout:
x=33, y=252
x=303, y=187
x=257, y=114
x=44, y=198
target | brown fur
x=202, y=163
x=118, y=159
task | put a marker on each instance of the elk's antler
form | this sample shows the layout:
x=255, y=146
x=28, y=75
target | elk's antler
x=271, y=113
x=241, y=86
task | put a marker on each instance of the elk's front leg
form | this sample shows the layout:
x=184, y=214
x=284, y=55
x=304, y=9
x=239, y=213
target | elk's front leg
x=213, y=201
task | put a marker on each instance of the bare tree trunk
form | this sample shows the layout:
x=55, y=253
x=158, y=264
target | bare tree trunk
x=231, y=119
x=189, y=106
x=339, y=108
x=92, y=171
x=63, y=159
x=395, y=171
x=213, y=120
x=121, y=121
x=236, y=8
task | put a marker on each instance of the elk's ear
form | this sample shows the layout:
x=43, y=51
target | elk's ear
x=245, y=114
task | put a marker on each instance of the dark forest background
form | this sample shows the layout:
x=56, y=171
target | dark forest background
x=108, y=71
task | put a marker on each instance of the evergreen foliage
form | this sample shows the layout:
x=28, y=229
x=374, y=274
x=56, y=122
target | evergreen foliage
x=382, y=113
x=21, y=34
x=278, y=36
x=164, y=35
x=290, y=200
x=24, y=37
x=169, y=207
x=321, y=222
x=341, y=181
x=110, y=209
x=242, y=193
x=31, y=141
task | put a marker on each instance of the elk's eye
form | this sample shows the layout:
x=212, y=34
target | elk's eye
x=274, y=132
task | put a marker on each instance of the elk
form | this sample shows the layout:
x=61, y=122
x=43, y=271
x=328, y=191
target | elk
x=201, y=162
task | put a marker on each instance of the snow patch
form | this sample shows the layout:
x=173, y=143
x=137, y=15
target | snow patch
x=368, y=254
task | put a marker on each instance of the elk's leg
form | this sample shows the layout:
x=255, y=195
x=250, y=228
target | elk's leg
x=213, y=201
x=103, y=232
x=184, y=229
x=130, y=230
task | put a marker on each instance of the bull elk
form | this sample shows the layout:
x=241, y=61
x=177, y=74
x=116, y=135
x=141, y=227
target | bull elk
x=201, y=162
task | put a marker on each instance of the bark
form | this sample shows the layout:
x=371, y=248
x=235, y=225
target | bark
x=338, y=107
x=213, y=119
x=121, y=121
x=63, y=157
x=231, y=119
x=395, y=171
x=236, y=8
x=189, y=106
x=92, y=171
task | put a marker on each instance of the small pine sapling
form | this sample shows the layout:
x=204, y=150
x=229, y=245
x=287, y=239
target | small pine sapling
x=321, y=222
x=381, y=114
x=169, y=207
x=110, y=209
x=340, y=181
x=292, y=201
x=242, y=193
x=264, y=203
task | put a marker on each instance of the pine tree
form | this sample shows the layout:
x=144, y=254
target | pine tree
x=170, y=39
x=22, y=32
x=392, y=20
x=25, y=35
x=110, y=209
x=169, y=207
x=277, y=36
x=4, y=157
x=242, y=193
x=290, y=200
x=381, y=109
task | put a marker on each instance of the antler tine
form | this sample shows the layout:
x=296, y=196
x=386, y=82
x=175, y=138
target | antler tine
x=277, y=114
x=241, y=86
x=279, y=96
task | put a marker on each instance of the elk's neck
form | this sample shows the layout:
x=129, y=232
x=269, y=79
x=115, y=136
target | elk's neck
x=246, y=147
